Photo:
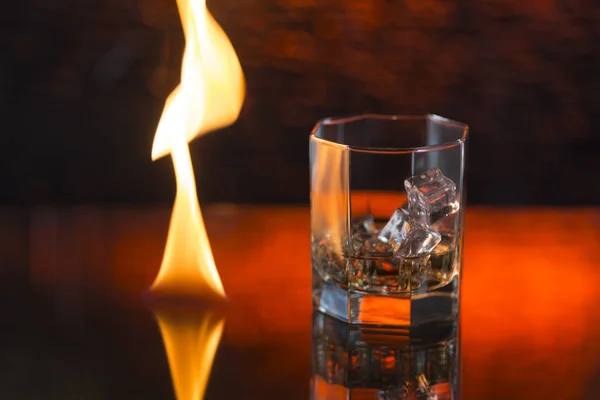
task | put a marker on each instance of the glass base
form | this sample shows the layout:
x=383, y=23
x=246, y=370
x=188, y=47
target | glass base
x=416, y=308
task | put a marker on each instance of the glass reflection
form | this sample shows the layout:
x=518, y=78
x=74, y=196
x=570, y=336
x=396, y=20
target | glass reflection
x=362, y=363
x=191, y=338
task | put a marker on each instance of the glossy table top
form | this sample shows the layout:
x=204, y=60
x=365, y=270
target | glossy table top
x=75, y=326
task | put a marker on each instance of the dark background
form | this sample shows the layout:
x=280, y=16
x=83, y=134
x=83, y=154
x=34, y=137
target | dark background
x=83, y=82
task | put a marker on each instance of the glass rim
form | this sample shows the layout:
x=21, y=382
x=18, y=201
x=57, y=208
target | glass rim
x=392, y=117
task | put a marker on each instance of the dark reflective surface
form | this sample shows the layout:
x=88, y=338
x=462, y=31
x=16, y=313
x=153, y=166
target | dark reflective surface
x=74, y=324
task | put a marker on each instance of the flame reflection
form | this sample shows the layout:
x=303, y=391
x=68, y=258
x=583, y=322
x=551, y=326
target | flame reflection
x=191, y=338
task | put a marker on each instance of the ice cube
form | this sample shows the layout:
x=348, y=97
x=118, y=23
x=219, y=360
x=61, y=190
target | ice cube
x=431, y=196
x=374, y=274
x=363, y=224
x=397, y=228
x=359, y=238
x=446, y=225
x=413, y=272
x=418, y=242
x=327, y=261
x=374, y=248
x=366, y=244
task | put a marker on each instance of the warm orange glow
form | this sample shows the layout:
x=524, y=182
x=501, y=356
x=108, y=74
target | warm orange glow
x=191, y=341
x=209, y=96
x=322, y=390
x=376, y=202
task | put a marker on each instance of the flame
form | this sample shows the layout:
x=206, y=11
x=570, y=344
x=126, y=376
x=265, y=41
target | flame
x=191, y=341
x=209, y=96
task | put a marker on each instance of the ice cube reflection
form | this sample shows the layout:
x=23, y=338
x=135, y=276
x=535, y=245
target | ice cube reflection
x=362, y=363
